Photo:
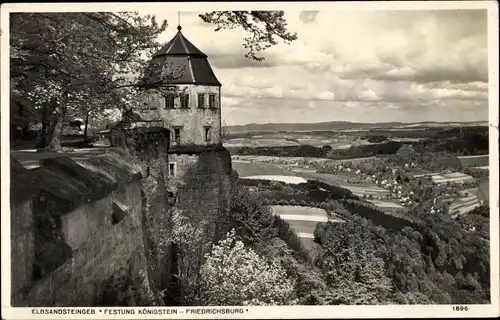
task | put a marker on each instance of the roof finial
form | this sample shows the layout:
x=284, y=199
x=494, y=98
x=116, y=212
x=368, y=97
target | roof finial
x=179, y=28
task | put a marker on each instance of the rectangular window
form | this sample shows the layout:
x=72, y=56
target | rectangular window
x=170, y=101
x=211, y=101
x=177, y=135
x=171, y=170
x=208, y=134
x=201, y=100
x=185, y=101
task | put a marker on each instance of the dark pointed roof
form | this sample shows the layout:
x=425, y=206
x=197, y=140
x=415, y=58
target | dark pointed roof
x=181, y=46
x=181, y=58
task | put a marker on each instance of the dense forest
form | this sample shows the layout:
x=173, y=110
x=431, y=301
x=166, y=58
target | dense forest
x=426, y=265
x=433, y=260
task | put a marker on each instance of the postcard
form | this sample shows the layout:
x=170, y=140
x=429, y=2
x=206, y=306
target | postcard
x=250, y=160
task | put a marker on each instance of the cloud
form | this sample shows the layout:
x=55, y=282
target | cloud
x=357, y=65
x=236, y=61
x=308, y=16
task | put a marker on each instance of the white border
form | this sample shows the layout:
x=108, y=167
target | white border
x=295, y=312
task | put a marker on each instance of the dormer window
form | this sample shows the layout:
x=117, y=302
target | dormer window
x=201, y=100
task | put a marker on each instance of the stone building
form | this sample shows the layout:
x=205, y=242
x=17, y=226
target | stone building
x=185, y=95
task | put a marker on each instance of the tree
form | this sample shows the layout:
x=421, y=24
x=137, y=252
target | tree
x=85, y=62
x=71, y=62
x=352, y=268
x=234, y=275
x=252, y=221
x=326, y=148
x=224, y=132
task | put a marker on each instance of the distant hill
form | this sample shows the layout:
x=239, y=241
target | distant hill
x=342, y=125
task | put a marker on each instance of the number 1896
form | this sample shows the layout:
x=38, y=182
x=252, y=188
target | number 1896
x=460, y=308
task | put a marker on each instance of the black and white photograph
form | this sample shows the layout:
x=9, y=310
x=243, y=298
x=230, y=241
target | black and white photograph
x=203, y=160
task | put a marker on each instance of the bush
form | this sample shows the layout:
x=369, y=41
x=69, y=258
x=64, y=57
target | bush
x=249, y=216
x=234, y=275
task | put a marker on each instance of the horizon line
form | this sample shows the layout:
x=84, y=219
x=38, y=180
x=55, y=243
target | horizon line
x=358, y=122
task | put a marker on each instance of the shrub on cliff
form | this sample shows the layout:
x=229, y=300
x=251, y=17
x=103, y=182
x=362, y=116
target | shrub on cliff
x=251, y=219
x=235, y=275
x=310, y=285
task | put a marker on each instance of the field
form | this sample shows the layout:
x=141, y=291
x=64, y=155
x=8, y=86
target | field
x=334, y=140
x=466, y=203
x=253, y=170
x=247, y=169
x=361, y=190
x=265, y=142
x=303, y=170
x=293, y=161
x=302, y=220
x=329, y=129
x=454, y=177
x=386, y=204
x=474, y=161
x=463, y=205
x=341, y=179
x=256, y=142
x=285, y=179
x=331, y=179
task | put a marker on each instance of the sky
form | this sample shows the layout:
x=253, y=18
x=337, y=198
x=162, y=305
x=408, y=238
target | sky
x=362, y=66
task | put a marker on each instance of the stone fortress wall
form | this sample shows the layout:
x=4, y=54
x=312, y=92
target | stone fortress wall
x=79, y=226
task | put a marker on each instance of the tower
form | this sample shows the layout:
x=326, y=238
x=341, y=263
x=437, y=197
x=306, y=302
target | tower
x=188, y=101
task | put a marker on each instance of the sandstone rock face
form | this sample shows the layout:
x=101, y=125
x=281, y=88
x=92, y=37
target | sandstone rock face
x=93, y=227
x=66, y=244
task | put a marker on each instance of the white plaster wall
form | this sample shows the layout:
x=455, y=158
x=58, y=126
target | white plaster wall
x=193, y=120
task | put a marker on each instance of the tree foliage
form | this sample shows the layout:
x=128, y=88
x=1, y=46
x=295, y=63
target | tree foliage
x=265, y=27
x=436, y=262
x=419, y=257
x=78, y=62
x=251, y=219
x=81, y=62
x=354, y=272
x=235, y=275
